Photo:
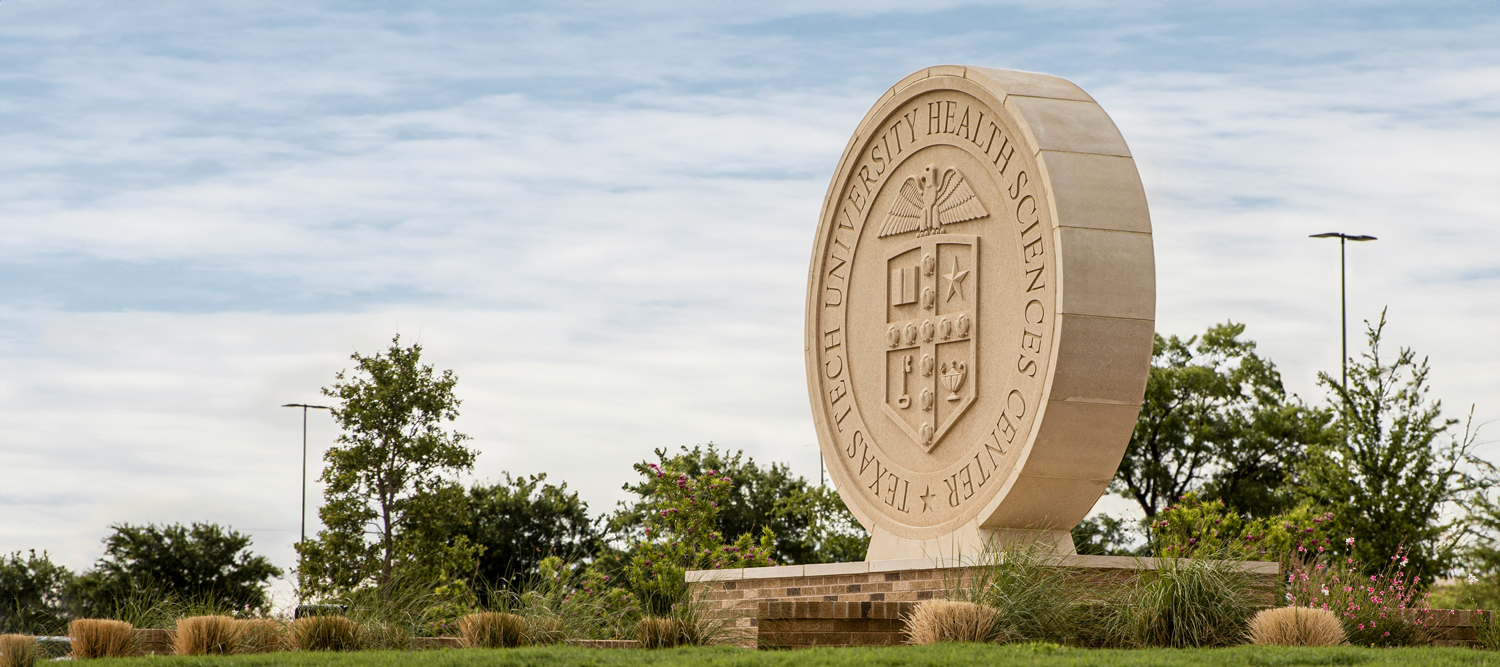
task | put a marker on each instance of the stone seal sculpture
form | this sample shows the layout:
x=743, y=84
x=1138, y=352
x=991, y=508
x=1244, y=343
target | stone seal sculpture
x=980, y=312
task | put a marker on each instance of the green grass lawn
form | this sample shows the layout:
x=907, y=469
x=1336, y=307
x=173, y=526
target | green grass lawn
x=943, y=655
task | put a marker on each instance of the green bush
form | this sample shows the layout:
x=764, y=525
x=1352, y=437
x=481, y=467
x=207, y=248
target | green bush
x=683, y=535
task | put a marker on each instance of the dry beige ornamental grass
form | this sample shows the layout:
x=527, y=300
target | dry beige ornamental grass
x=492, y=629
x=325, y=633
x=657, y=632
x=206, y=635
x=1296, y=626
x=97, y=638
x=947, y=621
x=18, y=651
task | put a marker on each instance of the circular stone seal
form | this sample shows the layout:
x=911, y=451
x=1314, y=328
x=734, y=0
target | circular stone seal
x=980, y=311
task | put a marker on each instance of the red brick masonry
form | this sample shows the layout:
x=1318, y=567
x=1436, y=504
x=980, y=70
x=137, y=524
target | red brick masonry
x=860, y=604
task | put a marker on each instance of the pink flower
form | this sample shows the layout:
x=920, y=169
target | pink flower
x=1349, y=541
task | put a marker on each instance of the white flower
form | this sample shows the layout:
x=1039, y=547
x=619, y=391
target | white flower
x=1288, y=597
x=1349, y=541
x=1473, y=579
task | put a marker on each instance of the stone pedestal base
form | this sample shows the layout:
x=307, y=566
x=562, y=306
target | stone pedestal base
x=865, y=603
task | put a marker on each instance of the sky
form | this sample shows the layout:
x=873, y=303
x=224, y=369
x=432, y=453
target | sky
x=600, y=216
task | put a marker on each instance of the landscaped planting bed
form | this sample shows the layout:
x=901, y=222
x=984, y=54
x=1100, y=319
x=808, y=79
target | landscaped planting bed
x=946, y=655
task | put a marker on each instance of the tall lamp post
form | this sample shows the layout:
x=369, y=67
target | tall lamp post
x=1343, y=300
x=305, y=407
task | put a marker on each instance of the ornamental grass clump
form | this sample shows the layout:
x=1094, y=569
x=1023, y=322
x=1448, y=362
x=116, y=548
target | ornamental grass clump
x=206, y=635
x=1036, y=597
x=98, y=638
x=1296, y=626
x=492, y=629
x=18, y=651
x=1189, y=603
x=657, y=632
x=936, y=621
x=261, y=635
x=325, y=633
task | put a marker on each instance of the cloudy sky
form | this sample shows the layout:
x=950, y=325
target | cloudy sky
x=601, y=218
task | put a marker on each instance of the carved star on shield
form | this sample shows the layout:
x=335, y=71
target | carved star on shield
x=956, y=282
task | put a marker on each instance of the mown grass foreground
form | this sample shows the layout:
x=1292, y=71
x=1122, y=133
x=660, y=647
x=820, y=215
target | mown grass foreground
x=943, y=655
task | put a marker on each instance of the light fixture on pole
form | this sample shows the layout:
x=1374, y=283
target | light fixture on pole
x=303, y=534
x=1343, y=300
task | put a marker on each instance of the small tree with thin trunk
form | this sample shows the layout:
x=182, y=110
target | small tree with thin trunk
x=1397, y=478
x=392, y=495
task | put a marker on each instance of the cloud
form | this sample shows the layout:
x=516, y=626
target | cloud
x=600, y=217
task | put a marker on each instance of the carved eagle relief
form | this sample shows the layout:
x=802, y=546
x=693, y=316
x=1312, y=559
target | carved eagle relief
x=951, y=200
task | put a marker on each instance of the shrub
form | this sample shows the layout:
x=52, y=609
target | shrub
x=325, y=633
x=261, y=635
x=1189, y=603
x=949, y=621
x=18, y=651
x=204, y=635
x=656, y=632
x=97, y=638
x=492, y=629
x=1195, y=526
x=1296, y=626
x=1381, y=609
x=684, y=535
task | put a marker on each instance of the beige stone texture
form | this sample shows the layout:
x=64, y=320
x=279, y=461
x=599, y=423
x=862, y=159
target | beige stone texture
x=1091, y=370
x=1095, y=191
x=1067, y=446
x=1067, y=125
x=1108, y=273
x=980, y=311
x=1029, y=84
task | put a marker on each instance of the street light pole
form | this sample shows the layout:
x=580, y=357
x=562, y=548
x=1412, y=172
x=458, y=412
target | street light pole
x=304, y=406
x=1343, y=301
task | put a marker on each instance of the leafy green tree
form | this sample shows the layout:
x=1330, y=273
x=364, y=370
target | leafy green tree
x=751, y=506
x=1391, y=479
x=832, y=534
x=392, y=505
x=203, y=562
x=31, y=594
x=521, y=521
x=1216, y=418
x=1105, y=535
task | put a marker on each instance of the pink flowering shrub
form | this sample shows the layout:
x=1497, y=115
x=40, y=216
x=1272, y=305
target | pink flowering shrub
x=1387, y=608
x=1195, y=527
x=683, y=535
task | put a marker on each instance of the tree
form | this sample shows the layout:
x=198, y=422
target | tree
x=202, y=563
x=1216, y=417
x=521, y=521
x=832, y=534
x=1390, y=479
x=31, y=594
x=757, y=500
x=391, y=501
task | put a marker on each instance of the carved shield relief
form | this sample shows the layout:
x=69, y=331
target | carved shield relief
x=930, y=321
